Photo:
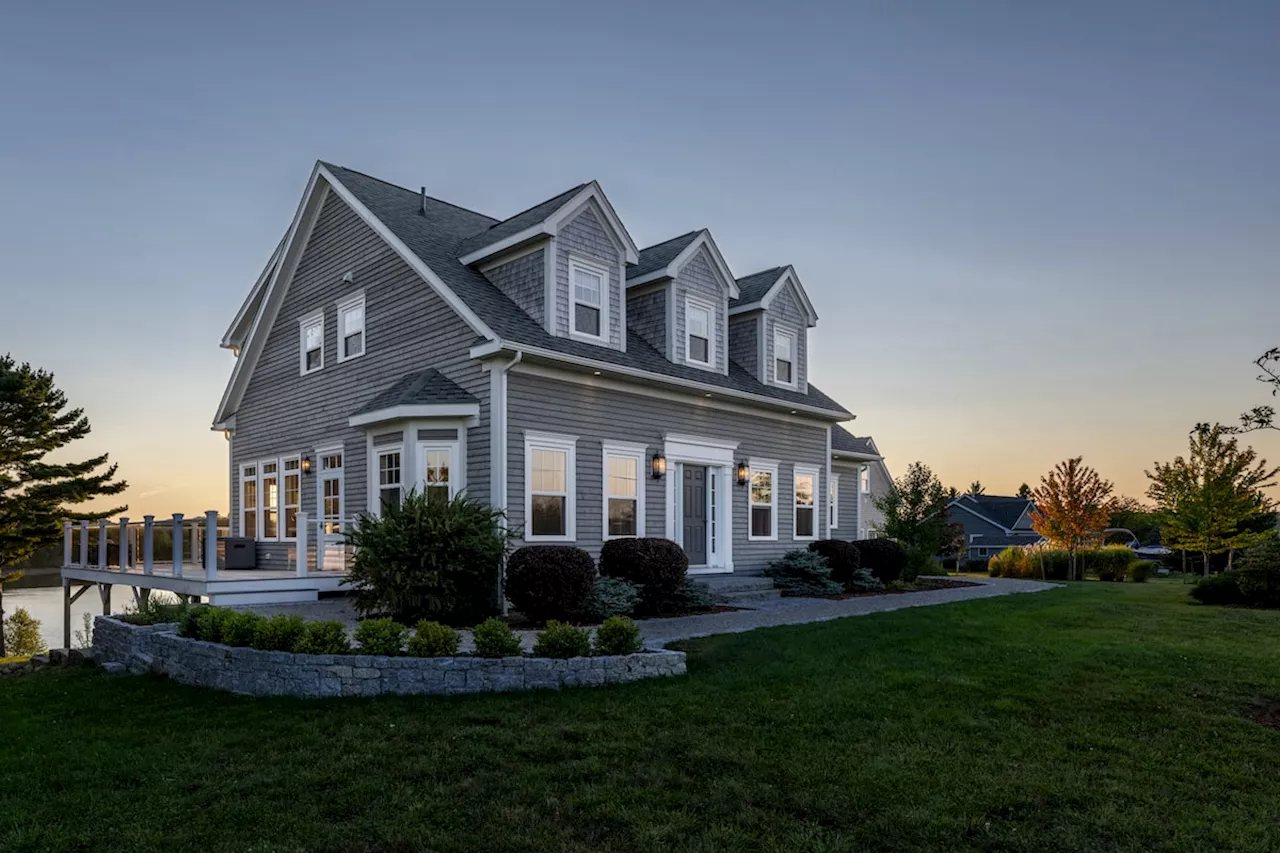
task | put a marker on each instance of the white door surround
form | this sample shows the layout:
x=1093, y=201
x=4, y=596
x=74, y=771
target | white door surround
x=718, y=457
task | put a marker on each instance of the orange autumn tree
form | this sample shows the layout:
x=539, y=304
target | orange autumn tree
x=1073, y=507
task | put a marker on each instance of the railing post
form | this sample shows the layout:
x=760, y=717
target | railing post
x=195, y=544
x=124, y=543
x=148, y=544
x=102, y=543
x=177, y=544
x=302, y=544
x=84, y=543
x=211, y=544
x=66, y=543
x=322, y=547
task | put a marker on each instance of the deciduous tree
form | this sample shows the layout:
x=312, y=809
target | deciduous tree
x=1263, y=417
x=915, y=511
x=1073, y=505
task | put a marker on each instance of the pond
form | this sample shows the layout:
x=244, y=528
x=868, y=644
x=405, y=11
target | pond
x=42, y=598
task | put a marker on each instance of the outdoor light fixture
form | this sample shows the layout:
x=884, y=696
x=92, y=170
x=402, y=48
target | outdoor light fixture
x=744, y=473
x=306, y=464
x=659, y=465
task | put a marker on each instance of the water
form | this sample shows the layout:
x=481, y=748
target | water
x=45, y=604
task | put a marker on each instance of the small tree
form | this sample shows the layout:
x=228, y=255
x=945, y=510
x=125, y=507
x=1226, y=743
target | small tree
x=976, y=488
x=915, y=511
x=1073, y=505
x=35, y=493
x=1024, y=492
x=1263, y=417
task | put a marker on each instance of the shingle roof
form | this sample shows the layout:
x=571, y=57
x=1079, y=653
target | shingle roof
x=522, y=220
x=659, y=255
x=844, y=441
x=1000, y=540
x=752, y=288
x=423, y=387
x=435, y=239
x=1004, y=511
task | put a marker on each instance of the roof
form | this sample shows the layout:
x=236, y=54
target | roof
x=752, y=288
x=1004, y=511
x=843, y=441
x=1002, y=540
x=659, y=255
x=421, y=388
x=435, y=238
x=519, y=222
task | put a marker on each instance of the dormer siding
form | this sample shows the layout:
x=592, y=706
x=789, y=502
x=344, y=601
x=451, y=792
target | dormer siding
x=647, y=315
x=697, y=281
x=523, y=279
x=744, y=341
x=785, y=314
x=584, y=236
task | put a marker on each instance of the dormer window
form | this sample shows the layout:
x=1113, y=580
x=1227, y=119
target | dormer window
x=698, y=333
x=784, y=348
x=590, y=295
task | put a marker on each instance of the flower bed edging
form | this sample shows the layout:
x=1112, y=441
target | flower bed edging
x=258, y=673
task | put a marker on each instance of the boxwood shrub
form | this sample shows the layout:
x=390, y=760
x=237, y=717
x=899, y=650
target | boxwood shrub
x=433, y=640
x=885, y=558
x=559, y=640
x=380, y=637
x=280, y=633
x=495, y=639
x=617, y=635
x=551, y=581
x=324, y=638
x=656, y=566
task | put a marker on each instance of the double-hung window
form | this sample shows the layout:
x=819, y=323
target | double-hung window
x=764, y=501
x=292, y=496
x=864, y=479
x=311, y=343
x=698, y=324
x=833, y=501
x=439, y=476
x=351, y=327
x=804, y=492
x=784, y=348
x=270, y=487
x=550, y=474
x=589, y=289
x=249, y=501
x=390, y=483
x=623, y=490
x=331, y=490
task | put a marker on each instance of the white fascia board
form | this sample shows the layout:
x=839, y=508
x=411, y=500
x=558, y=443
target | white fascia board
x=857, y=457
x=424, y=410
x=237, y=331
x=593, y=191
x=789, y=274
x=704, y=241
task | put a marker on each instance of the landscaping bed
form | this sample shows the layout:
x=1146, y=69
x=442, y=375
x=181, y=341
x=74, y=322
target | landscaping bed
x=924, y=583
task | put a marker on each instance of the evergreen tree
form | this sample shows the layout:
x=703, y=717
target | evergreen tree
x=1024, y=492
x=35, y=493
x=976, y=488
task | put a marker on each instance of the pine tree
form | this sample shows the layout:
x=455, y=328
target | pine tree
x=1073, y=505
x=1024, y=492
x=976, y=488
x=34, y=493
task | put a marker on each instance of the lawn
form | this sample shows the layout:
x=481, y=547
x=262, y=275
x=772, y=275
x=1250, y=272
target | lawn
x=1095, y=717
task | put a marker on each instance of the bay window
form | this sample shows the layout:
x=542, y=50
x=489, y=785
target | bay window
x=440, y=479
x=390, y=485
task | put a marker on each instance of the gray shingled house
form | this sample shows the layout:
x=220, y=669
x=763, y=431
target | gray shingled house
x=993, y=523
x=859, y=477
x=544, y=364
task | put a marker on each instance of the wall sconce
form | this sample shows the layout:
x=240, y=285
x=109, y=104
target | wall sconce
x=744, y=473
x=306, y=464
x=659, y=466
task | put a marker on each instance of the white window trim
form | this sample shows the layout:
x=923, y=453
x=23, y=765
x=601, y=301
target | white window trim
x=455, y=468
x=833, y=501
x=779, y=332
x=282, y=473
x=375, y=474
x=864, y=479
x=712, y=355
x=338, y=474
x=640, y=454
x=760, y=466
x=797, y=472
x=344, y=306
x=595, y=268
x=569, y=445
x=304, y=323
x=257, y=500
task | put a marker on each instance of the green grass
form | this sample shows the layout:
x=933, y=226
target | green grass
x=1096, y=717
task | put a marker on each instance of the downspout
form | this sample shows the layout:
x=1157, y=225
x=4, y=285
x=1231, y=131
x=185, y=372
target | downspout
x=498, y=421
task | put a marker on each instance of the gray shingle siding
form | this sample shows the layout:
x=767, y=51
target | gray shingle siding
x=699, y=281
x=647, y=316
x=744, y=342
x=524, y=281
x=785, y=313
x=408, y=327
x=584, y=235
x=848, y=502
x=598, y=415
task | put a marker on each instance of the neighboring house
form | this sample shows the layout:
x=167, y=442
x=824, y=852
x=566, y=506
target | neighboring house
x=992, y=523
x=543, y=363
x=858, y=478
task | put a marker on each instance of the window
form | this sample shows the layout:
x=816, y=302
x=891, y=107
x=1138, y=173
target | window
x=439, y=480
x=292, y=496
x=589, y=286
x=624, y=490
x=698, y=332
x=311, y=342
x=833, y=501
x=351, y=328
x=982, y=552
x=270, y=500
x=805, y=489
x=550, y=469
x=764, y=515
x=263, y=501
x=331, y=490
x=864, y=479
x=390, y=490
x=249, y=501
x=784, y=347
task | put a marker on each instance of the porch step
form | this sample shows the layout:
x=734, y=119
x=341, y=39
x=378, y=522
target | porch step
x=733, y=589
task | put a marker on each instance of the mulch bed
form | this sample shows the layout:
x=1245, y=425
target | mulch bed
x=925, y=586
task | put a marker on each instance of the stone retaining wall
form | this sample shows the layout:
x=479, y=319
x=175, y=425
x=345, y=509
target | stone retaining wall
x=115, y=640
x=258, y=673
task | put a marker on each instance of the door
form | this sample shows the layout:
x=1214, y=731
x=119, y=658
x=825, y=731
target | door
x=695, y=514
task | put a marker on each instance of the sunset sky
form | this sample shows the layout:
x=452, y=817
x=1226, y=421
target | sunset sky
x=1031, y=231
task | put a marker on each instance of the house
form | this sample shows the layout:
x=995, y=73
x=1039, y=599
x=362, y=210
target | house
x=544, y=363
x=858, y=478
x=993, y=523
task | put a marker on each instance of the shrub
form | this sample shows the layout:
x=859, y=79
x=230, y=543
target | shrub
x=1259, y=587
x=1140, y=571
x=153, y=611
x=280, y=633
x=324, y=638
x=919, y=563
x=688, y=597
x=863, y=581
x=428, y=559
x=1110, y=563
x=612, y=597
x=380, y=637
x=803, y=573
x=189, y=622
x=212, y=623
x=240, y=628
x=617, y=635
x=495, y=639
x=885, y=558
x=1264, y=555
x=22, y=635
x=1009, y=563
x=550, y=581
x=1218, y=589
x=433, y=640
x=656, y=566
x=559, y=640
x=841, y=556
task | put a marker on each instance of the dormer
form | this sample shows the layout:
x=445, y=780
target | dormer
x=564, y=262
x=769, y=328
x=678, y=300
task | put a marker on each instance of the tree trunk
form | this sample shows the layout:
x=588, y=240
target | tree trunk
x=1231, y=555
x=2, y=652
x=1205, y=554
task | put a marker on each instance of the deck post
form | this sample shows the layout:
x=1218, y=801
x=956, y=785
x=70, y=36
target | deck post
x=211, y=544
x=148, y=544
x=104, y=592
x=102, y=543
x=66, y=613
x=66, y=543
x=84, y=543
x=177, y=544
x=124, y=543
x=302, y=544
x=195, y=544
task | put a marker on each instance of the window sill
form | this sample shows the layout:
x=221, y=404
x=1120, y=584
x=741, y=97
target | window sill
x=344, y=360
x=762, y=538
x=536, y=539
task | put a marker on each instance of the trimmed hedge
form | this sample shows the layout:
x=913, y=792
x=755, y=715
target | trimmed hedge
x=885, y=558
x=547, y=582
x=657, y=566
x=843, y=558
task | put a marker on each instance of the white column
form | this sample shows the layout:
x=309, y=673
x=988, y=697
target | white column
x=148, y=544
x=66, y=543
x=195, y=544
x=102, y=543
x=302, y=544
x=177, y=544
x=124, y=543
x=84, y=544
x=211, y=544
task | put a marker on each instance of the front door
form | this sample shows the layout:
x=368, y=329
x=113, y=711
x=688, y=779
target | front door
x=695, y=514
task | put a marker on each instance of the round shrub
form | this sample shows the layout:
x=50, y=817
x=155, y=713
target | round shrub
x=843, y=558
x=1259, y=587
x=495, y=639
x=324, y=638
x=612, y=597
x=1218, y=589
x=559, y=640
x=656, y=566
x=280, y=633
x=380, y=637
x=550, y=581
x=22, y=634
x=240, y=628
x=885, y=558
x=1141, y=570
x=433, y=640
x=212, y=624
x=617, y=635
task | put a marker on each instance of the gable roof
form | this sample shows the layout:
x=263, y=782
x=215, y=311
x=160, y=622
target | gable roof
x=759, y=289
x=239, y=328
x=522, y=220
x=665, y=260
x=422, y=388
x=659, y=255
x=843, y=441
x=999, y=510
x=753, y=287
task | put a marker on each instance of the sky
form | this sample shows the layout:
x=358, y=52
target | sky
x=1031, y=230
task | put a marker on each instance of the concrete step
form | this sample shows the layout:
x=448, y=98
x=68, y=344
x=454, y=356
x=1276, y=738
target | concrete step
x=725, y=584
x=748, y=596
